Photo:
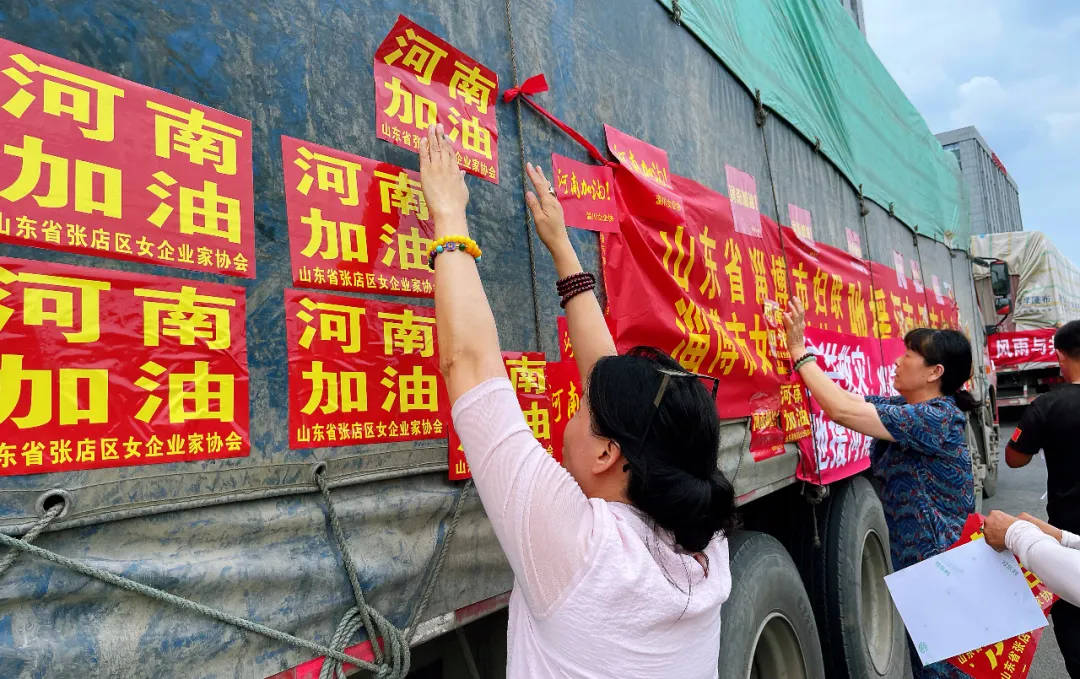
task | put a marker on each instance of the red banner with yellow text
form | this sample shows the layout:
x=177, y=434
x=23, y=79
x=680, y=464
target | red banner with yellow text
x=355, y=223
x=99, y=165
x=361, y=371
x=421, y=80
x=108, y=369
x=686, y=282
x=832, y=285
x=548, y=396
x=1011, y=658
x=586, y=193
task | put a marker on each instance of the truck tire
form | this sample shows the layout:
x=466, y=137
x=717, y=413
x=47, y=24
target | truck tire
x=862, y=634
x=768, y=629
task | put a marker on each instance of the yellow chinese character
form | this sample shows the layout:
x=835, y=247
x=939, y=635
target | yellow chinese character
x=417, y=390
x=192, y=134
x=185, y=315
x=201, y=211
x=735, y=328
x=856, y=310
x=800, y=275
x=527, y=375
x=60, y=302
x=65, y=94
x=408, y=334
x=326, y=387
x=733, y=269
x=60, y=452
x=836, y=302
x=681, y=276
x=882, y=327
x=351, y=237
x=86, y=174
x=409, y=108
x=821, y=292
x=108, y=449
x=334, y=174
x=539, y=420
x=760, y=337
x=474, y=136
x=422, y=56
x=7, y=455
x=39, y=411
x=711, y=285
x=402, y=193
x=32, y=452
x=779, y=276
x=761, y=281
x=86, y=451
x=411, y=251
x=200, y=388
x=473, y=87
x=693, y=323
x=337, y=323
x=726, y=352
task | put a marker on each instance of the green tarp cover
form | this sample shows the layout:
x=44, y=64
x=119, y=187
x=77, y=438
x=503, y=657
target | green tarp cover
x=816, y=71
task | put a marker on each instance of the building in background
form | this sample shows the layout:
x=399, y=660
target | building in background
x=992, y=194
x=854, y=8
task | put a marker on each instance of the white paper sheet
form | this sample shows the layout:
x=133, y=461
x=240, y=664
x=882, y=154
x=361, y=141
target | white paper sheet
x=962, y=599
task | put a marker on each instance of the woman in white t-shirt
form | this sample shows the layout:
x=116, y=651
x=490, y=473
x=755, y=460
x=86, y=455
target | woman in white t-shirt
x=620, y=559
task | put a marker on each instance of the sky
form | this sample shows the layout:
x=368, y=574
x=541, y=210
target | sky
x=1011, y=68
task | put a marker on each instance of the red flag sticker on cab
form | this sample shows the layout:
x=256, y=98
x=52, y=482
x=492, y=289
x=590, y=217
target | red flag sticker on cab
x=102, y=166
x=585, y=193
x=421, y=80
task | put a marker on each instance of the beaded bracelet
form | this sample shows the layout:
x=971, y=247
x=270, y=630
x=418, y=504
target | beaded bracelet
x=572, y=286
x=806, y=359
x=451, y=244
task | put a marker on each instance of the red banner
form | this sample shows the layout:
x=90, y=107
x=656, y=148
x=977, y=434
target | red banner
x=421, y=80
x=566, y=350
x=708, y=296
x=586, y=193
x=355, y=223
x=742, y=192
x=854, y=363
x=110, y=369
x=1010, y=349
x=99, y=165
x=533, y=381
x=833, y=286
x=361, y=371
x=1011, y=658
x=642, y=158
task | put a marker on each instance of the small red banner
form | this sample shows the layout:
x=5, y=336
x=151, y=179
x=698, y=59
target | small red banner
x=642, y=158
x=1011, y=658
x=421, y=80
x=355, y=223
x=585, y=193
x=361, y=371
x=99, y=165
x=1010, y=349
x=529, y=373
x=111, y=369
x=742, y=192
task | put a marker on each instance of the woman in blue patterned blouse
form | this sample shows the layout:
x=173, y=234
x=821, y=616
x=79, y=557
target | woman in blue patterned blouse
x=920, y=454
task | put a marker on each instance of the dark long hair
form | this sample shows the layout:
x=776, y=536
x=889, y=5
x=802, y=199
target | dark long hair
x=673, y=476
x=952, y=351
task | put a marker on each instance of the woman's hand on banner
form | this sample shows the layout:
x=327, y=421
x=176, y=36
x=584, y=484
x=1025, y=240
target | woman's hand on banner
x=546, y=211
x=795, y=327
x=442, y=181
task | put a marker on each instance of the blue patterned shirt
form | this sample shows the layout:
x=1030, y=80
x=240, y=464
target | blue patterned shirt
x=927, y=488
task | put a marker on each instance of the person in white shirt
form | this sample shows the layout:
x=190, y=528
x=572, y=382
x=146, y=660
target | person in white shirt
x=620, y=559
x=1048, y=552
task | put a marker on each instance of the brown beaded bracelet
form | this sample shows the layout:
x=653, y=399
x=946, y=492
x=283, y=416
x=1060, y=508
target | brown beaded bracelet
x=570, y=282
x=576, y=287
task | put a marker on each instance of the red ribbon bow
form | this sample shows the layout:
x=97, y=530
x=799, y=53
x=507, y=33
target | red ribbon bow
x=536, y=85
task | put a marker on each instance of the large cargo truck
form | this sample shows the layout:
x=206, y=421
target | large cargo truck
x=246, y=556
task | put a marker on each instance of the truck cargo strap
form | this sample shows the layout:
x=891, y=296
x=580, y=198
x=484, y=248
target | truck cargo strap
x=390, y=645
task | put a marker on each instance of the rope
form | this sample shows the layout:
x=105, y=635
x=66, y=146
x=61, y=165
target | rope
x=181, y=603
x=47, y=518
x=521, y=150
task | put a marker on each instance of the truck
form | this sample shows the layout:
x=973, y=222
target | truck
x=1026, y=289
x=295, y=561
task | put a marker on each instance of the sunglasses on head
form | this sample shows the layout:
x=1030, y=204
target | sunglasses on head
x=665, y=381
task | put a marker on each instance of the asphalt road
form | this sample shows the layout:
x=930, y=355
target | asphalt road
x=1023, y=490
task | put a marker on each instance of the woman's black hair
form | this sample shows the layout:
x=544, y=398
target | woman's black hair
x=670, y=448
x=952, y=351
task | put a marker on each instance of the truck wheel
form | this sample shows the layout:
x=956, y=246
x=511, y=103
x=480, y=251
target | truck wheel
x=768, y=629
x=863, y=634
